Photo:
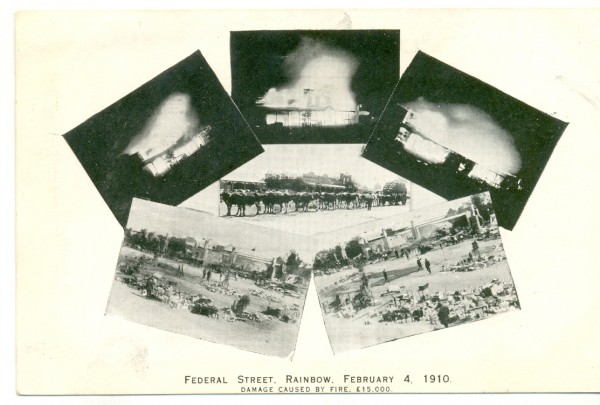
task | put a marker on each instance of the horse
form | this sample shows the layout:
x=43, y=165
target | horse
x=241, y=199
x=327, y=200
x=303, y=200
x=273, y=198
x=349, y=199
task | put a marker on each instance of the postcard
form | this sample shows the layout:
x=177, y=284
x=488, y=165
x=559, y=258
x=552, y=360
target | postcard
x=70, y=65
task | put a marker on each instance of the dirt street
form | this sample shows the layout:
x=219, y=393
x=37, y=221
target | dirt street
x=316, y=222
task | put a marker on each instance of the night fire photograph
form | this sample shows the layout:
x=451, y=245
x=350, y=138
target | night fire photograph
x=456, y=136
x=313, y=86
x=165, y=141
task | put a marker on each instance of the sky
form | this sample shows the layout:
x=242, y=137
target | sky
x=183, y=222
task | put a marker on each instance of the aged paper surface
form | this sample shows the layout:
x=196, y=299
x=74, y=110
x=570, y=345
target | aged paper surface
x=70, y=65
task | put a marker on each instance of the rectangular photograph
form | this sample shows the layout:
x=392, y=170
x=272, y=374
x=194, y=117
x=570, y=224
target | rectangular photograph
x=321, y=86
x=311, y=189
x=194, y=274
x=456, y=136
x=166, y=140
x=417, y=272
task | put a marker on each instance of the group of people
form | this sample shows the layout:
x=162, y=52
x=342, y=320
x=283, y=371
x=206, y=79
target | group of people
x=206, y=273
x=427, y=264
x=419, y=265
x=224, y=277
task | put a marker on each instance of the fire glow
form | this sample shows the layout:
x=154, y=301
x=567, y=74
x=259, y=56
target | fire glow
x=318, y=92
x=172, y=134
x=466, y=130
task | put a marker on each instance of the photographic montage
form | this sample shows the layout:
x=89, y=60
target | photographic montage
x=325, y=86
x=166, y=140
x=457, y=136
x=417, y=272
x=198, y=275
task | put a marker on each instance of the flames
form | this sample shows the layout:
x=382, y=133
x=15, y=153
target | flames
x=468, y=131
x=319, y=76
x=173, y=121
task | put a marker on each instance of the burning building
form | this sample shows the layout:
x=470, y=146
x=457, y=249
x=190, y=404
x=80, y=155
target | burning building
x=318, y=93
x=429, y=151
x=158, y=164
x=317, y=116
x=172, y=134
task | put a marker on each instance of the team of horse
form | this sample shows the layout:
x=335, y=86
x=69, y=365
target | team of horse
x=274, y=201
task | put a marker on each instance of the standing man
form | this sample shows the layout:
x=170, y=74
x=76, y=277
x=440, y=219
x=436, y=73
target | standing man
x=419, y=264
x=428, y=265
x=225, y=283
x=385, y=277
x=475, y=246
x=149, y=287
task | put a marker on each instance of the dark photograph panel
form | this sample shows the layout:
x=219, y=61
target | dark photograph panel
x=455, y=135
x=166, y=140
x=314, y=86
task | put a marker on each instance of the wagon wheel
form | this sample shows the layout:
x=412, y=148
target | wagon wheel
x=276, y=208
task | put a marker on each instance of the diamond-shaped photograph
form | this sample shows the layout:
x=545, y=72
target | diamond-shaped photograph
x=456, y=136
x=166, y=140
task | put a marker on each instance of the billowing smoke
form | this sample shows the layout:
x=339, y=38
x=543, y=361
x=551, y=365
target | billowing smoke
x=172, y=121
x=319, y=76
x=468, y=131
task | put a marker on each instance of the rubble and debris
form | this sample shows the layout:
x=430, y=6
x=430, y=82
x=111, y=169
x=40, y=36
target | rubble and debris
x=460, y=306
x=278, y=314
x=263, y=294
x=203, y=306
